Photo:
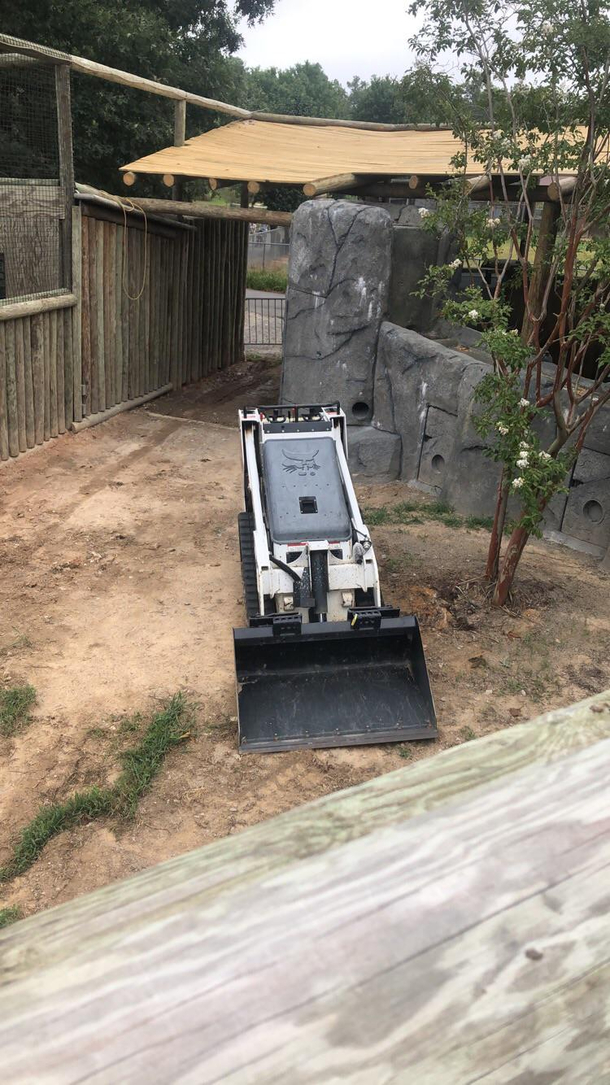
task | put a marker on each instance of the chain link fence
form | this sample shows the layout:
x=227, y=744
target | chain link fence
x=268, y=249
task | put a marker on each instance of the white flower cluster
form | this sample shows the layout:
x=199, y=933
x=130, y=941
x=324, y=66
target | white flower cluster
x=545, y=456
x=456, y=263
x=473, y=314
x=517, y=483
x=424, y=212
x=524, y=402
x=525, y=163
x=502, y=429
x=492, y=223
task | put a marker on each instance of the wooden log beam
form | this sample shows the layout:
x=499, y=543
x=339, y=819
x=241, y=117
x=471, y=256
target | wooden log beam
x=19, y=60
x=16, y=309
x=562, y=187
x=129, y=178
x=333, y=122
x=209, y=211
x=401, y=190
x=169, y=180
x=216, y=184
x=31, y=49
x=253, y=188
x=329, y=921
x=337, y=183
x=476, y=184
x=116, y=75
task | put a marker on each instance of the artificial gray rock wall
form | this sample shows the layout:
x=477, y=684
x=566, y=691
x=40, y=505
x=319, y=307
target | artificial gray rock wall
x=413, y=251
x=409, y=398
x=338, y=281
x=424, y=394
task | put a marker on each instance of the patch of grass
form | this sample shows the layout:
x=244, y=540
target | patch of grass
x=9, y=915
x=169, y=726
x=20, y=642
x=130, y=724
x=15, y=703
x=275, y=281
x=409, y=512
x=97, y=732
x=476, y=523
x=405, y=752
x=468, y=734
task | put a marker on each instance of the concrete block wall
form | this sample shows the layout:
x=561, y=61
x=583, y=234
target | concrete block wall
x=408, y=397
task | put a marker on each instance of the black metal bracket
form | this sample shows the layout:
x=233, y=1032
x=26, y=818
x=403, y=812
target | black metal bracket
x=370, y=617
x=282, y=625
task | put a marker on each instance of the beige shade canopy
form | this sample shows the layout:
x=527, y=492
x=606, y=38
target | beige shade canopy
x=295, y=154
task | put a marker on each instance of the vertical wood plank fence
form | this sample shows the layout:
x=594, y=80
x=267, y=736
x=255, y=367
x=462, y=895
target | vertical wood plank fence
x=153, y=304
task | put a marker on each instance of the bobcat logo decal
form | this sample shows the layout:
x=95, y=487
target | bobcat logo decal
x=303, y=464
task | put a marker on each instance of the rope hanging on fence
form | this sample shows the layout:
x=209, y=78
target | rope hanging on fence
x=128, y=205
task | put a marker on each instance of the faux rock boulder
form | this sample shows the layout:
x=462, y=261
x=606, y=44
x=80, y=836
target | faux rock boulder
x=338, y=280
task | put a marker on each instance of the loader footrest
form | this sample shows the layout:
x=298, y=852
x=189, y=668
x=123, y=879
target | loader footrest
x=333, y=685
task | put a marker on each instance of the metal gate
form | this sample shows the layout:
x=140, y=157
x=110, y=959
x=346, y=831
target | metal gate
x=264, y=321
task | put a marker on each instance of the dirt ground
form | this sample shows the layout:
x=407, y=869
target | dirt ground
x=121, y=584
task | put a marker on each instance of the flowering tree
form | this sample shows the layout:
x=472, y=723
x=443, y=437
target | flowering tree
x=543, y=134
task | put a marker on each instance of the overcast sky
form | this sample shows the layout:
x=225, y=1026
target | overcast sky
x=347, y=37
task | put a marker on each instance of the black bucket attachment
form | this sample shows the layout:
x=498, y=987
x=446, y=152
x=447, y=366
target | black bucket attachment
x=331, y=683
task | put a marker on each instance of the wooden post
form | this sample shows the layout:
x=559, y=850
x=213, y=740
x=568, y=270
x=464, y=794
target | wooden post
x=46, y=374
x=546, y=238
x=4, y=452
x=66, y=166
x=51, y=390
x=20, y=364
x=11, y=389
x=30, y=438
x=245, y=197
x=179, y=138
x=37, y=332
x=74, y=397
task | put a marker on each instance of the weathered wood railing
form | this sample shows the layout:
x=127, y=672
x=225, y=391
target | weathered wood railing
x=441, y=924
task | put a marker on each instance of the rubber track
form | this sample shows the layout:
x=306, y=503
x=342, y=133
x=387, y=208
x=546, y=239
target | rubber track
x=248, y=563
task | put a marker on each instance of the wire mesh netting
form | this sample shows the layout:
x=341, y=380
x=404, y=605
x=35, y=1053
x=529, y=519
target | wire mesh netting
x=32, y=203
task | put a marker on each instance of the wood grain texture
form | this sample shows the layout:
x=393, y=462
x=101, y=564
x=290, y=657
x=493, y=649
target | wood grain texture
x=51, y=388
x=30, y=433
x=11, y=389
x=24, y=199
x=18, y=309
x=20, y=380
x=4, y=451
x=442, y=924
x=38, y=348
x=66, y=166
x=46, y=374
x=73, y=393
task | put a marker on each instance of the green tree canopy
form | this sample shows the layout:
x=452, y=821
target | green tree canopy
x=188, y=43
x=303, y=90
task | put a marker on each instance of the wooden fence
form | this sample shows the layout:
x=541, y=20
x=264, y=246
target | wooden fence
x=445, y=923
x=153, y=303
x=36, y=373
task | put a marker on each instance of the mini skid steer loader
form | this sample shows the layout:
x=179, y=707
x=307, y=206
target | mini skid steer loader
x=323, y=661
